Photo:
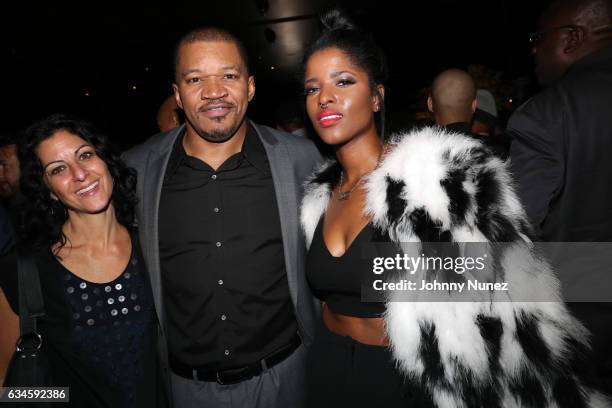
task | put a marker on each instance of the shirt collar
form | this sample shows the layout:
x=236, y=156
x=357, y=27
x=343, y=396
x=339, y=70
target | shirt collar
x=594, y=58
x=252, y=149
x=177, y=155
x=460, y=127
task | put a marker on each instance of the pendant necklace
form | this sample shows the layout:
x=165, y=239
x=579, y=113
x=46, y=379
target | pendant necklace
x=344, y=195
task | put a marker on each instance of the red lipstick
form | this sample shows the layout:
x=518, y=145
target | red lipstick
x=328, y=117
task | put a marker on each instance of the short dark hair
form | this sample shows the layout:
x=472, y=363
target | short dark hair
x=209, y=34
x=339, y=31
x=45, y=216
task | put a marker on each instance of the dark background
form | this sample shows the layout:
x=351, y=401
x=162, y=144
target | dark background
x=112, y=63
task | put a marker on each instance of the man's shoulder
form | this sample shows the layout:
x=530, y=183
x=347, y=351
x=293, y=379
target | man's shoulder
x=288, y=139
x=541, y=110
x=571, y=91
x=303, y=153
x=278, y=135
x=584, y=80
x=159, y=142
x=589, y=82
x=547, y=99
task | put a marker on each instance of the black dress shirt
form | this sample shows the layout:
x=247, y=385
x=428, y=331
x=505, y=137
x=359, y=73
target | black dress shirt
x=225, y=286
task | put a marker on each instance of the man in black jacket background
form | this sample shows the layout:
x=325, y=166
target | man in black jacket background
x=562, y=150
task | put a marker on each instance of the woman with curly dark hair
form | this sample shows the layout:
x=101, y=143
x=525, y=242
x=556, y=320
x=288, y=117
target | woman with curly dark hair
x=100, y=327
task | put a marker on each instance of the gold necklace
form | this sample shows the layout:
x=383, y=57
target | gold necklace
x=344, y=195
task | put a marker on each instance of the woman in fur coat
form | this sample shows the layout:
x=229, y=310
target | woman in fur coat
x=501, y=348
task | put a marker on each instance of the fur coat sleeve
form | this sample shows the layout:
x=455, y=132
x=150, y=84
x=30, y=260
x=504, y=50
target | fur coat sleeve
x=490, y=351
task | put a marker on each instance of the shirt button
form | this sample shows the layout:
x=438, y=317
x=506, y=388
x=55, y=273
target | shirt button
x=216, y=209
x=218, y=244
x=226, y=352
x=220, y=282
x=223, y=317
x=214, y=177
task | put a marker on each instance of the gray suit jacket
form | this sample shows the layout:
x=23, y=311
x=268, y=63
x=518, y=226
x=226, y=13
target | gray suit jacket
x=291, y=159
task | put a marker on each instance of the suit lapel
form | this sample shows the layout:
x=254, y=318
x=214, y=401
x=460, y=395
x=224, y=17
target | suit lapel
x=287, y=193
x=285, y=187
x=155, y=169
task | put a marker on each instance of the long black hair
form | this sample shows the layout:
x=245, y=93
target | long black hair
x=340, y=31
x=44, y=216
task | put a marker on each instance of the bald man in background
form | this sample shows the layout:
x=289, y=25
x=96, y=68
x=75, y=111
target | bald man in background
x=453, y=101
x=562, y=156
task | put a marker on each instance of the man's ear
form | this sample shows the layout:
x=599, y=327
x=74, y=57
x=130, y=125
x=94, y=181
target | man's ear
x=251, y=87
x=430, y=103
x=474, y=105
x=177, y=96
x=574, y=40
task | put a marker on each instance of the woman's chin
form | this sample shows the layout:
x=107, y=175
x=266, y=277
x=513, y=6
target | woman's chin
x=92, y=208
x=333, y=140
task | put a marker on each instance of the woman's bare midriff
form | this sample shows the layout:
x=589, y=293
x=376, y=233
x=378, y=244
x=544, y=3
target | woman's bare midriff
x=363, y=330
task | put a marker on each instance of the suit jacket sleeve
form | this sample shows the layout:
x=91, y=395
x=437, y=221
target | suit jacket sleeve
x=536, y=156
x=306, y=156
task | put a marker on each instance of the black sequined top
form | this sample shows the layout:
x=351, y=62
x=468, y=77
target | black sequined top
x=100, y=337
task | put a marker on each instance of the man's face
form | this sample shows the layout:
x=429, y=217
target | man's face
x=213, y=88
x=549, y=51
x=9, y=171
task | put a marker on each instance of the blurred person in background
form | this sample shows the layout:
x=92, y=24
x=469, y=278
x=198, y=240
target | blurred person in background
x=561, y=149
x=169, y=115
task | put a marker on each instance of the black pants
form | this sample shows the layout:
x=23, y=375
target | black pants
x=341, y=372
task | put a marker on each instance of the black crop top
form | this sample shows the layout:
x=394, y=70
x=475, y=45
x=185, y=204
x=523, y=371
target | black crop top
x=337, y=280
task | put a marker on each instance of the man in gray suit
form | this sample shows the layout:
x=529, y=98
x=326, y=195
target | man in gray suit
x=218, y=219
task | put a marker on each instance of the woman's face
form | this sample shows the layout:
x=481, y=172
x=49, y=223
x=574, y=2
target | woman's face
x=339, y=100
x=74, y=173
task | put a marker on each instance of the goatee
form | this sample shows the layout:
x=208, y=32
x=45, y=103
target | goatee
x=218, y=136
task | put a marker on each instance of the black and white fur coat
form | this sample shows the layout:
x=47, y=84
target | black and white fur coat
x=436, y=186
